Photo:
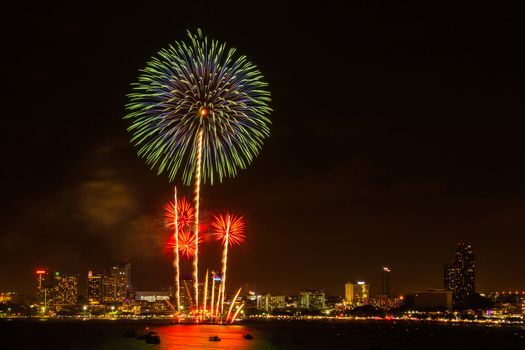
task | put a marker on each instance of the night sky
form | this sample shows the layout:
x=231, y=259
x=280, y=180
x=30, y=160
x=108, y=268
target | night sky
x=397, y=133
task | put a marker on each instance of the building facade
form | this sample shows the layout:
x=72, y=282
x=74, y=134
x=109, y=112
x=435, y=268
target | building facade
x=312, y=300
x=433, y=299
x=459, y=276
x=65, y=288
x=357, y=293
x=57, y=288
x=95, y=288
x=122, y=276
x=268, y=302
x=386, y=281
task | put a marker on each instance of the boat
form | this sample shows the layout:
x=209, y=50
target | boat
x=145, y=336
x=214, y=338
x=248, y=336
x=152, y=339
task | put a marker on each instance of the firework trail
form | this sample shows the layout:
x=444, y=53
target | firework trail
x=212, y=294
x=176, y=248
x=230, y=230
x=199, y=109
x=237, y=312
x=217, y=306
x=231, y=305
x=205, y=293
x=225, y=263
x=179, y=216
x=196, y=230
x=189, y=295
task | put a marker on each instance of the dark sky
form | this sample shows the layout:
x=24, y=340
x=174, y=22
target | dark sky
x=397, y=133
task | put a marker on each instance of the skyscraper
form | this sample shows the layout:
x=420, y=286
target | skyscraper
x=109, y=289
x=459, y=276
x=122, y=275
x=56, y=288
x=65, y=288
x=386, y=281
x=42, y=285
x=357, y=293
x=95, y=288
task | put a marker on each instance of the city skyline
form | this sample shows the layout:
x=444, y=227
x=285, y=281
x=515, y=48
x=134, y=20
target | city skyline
x=458, y=278
x=396, y=135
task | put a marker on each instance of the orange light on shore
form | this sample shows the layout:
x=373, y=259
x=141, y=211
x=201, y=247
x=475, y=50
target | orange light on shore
x=40, y=272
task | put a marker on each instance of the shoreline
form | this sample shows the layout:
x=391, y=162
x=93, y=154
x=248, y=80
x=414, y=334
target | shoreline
x=269, y=320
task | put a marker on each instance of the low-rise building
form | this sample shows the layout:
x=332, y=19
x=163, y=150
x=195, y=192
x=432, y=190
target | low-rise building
x=433, y=299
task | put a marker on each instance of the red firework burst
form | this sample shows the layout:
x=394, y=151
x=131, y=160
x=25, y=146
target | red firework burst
x=186, y=243
x=236, y=225
x=185, y=211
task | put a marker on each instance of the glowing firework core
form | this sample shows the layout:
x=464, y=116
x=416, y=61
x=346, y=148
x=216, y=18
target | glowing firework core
x=203, y=112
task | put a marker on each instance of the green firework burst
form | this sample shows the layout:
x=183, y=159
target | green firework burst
x=192, y=86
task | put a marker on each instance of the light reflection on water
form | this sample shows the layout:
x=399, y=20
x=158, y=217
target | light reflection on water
x=104, y=335
x=197, y=337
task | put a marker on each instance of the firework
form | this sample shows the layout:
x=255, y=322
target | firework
x=237, y=312
x=185, y=213
x=176, y=248
x=179, y=216
x=197, y=86
x=205, y=297
x=231, y=305
x=217, y=306
x=201, y=110
x=212, y=293
x=228, y=229
x=187, y=243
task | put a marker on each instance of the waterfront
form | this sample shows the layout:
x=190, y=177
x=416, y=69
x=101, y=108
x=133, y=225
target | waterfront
x=268, y=335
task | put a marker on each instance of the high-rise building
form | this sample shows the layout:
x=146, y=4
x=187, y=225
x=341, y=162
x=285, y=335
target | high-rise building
x=65, y=288
x=95, y=288
x=459, y=276
x=109, y=289
x=357, y=293
x=102, y=289
x=312, y=300
x=43, y=286
x=122, y=275
x=386, y=281
x=56, y=288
